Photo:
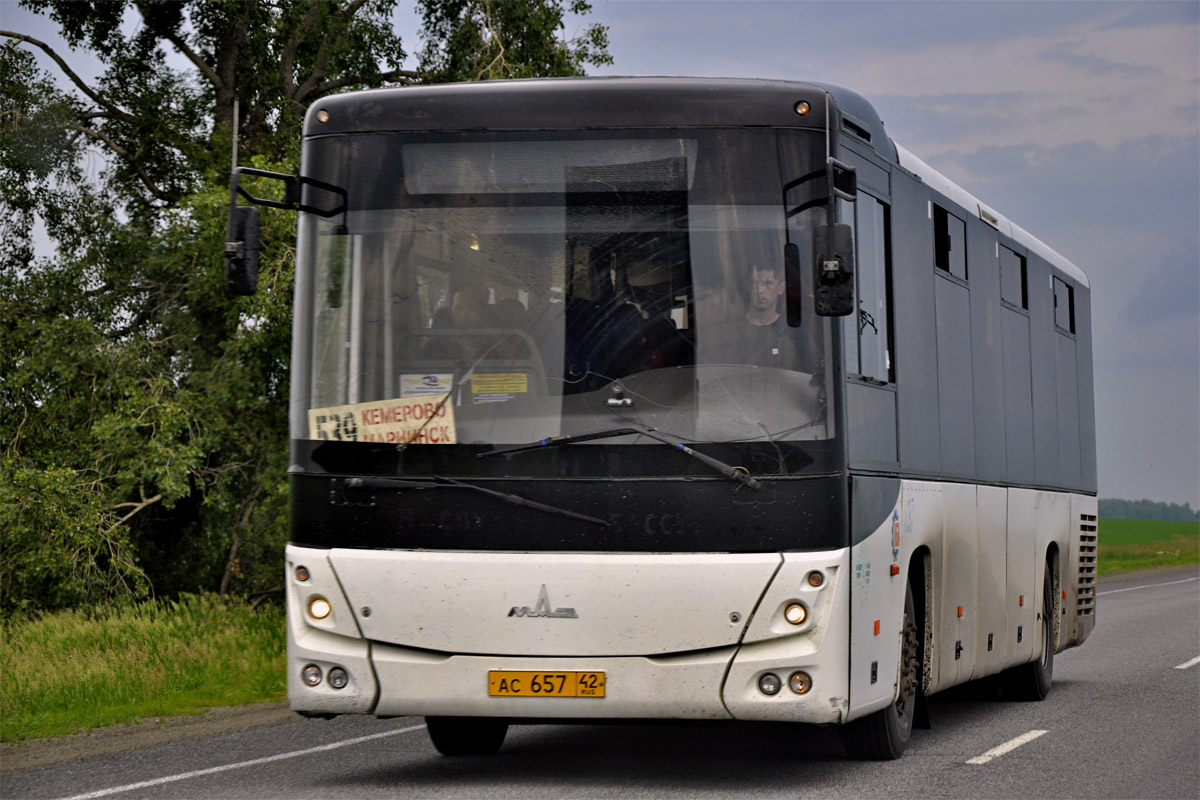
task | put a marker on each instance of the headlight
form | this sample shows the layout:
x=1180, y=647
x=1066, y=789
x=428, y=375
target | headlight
x=318, y=607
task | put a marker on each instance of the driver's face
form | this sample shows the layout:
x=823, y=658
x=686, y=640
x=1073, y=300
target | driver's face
x=767, y=289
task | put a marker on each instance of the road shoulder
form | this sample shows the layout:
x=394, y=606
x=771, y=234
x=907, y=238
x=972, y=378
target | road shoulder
x=34, y=753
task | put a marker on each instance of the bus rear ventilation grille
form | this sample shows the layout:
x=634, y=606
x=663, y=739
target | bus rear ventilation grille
x=1086, y=589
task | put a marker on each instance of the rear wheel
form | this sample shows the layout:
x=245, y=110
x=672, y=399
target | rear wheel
x=466, y=736
x=884, y=735
x=1032, y=681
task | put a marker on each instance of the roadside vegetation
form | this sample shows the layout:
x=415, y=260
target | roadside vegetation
x=72, y=670
x=1127, y=544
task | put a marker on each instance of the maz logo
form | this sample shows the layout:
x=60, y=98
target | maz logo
x=542, y=609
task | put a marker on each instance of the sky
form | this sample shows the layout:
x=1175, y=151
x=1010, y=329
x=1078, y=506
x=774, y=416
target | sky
x=1079, y=121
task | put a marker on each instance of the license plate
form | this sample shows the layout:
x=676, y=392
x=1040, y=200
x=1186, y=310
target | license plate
x=519, y=683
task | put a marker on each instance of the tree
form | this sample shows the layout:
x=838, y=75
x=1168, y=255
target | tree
x=143, y=414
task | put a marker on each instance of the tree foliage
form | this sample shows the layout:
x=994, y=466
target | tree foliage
x=143, y=414
x=1147, y=509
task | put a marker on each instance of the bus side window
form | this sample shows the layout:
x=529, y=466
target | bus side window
x=868, y=333
x=950, y=242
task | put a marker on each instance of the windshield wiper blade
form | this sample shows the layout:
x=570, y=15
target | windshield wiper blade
x=739, y=474
x=381, y=482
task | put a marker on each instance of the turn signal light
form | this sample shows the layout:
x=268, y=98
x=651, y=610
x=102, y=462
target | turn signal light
x=799, y=682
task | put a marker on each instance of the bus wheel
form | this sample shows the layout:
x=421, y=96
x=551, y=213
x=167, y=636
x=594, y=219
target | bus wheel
x=466, y=736
x=1032, y=681
x=884, y=735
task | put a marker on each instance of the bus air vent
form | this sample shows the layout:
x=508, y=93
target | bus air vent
x=855, y=128
x=1086, y=591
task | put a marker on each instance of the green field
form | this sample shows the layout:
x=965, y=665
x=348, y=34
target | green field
x=70, y=671
x=1127, y=544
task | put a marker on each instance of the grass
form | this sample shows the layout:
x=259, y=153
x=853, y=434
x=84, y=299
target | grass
x=70, y=671
x=1127, y=544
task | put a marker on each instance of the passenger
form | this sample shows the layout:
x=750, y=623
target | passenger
x=470, y=307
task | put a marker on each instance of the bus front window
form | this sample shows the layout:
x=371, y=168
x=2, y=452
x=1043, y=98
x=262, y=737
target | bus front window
x=518, y=290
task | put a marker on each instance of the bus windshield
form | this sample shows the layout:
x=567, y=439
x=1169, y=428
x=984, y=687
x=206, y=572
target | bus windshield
x=500, y=289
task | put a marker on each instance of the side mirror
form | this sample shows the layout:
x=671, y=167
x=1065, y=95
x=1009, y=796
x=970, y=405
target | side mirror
x=242, y=251
x=833, y=270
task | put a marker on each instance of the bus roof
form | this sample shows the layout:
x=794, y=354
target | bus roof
x=594, y=102
x=972, y=204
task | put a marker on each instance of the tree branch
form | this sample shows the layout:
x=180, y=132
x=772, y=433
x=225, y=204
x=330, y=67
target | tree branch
x=409, y=76
x=137, y=507
x=75, y=79
x=191, y=55
x=287, y=58
x=129, y=159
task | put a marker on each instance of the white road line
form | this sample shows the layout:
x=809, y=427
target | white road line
x=183, y=776
x=1149, y=586
x=1191, y=663
x=1011, y=744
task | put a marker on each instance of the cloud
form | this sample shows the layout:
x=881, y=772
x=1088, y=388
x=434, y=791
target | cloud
x=1089, y=82
x=1171, y=289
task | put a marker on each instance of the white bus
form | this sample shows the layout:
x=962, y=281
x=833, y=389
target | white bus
x=669, y=399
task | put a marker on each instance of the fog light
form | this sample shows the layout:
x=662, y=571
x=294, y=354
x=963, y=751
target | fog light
x=795, y=613
x=815, y=578
x=769, y=684
x=338, y=678
x=311, y=674
x=301, y=573
x=318, y=607
x=798, y=682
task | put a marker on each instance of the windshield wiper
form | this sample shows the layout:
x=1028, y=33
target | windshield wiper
x=381, y=482
x=739, y=474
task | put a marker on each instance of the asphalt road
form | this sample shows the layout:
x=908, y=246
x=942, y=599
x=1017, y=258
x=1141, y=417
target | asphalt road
x=1123, y=721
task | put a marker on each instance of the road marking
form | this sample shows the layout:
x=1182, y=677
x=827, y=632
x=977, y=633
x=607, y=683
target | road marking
x=1149, y=586
x=1191, y=663
x=1011, y=744
x=251, y=763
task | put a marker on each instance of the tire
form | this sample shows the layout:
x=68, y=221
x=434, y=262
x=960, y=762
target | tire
x=466, y=736
x=885, y=734
x=1032, y=681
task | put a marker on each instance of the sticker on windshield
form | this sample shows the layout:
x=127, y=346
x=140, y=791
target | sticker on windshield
x=498, y=387
x=420, y=420
x=425, y=385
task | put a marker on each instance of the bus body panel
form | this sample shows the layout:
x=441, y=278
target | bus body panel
x=553, y=604
x=817, y=647
x=876, y=615
x=991, y=586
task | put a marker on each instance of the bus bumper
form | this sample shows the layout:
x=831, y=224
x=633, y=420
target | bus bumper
x=718, y=683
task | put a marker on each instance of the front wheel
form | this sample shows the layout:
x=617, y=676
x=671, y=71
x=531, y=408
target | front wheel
x=466, y=736
x=1032, y=681
x=884, y=735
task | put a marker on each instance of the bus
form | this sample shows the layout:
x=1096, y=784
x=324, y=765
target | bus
x=665, y=399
